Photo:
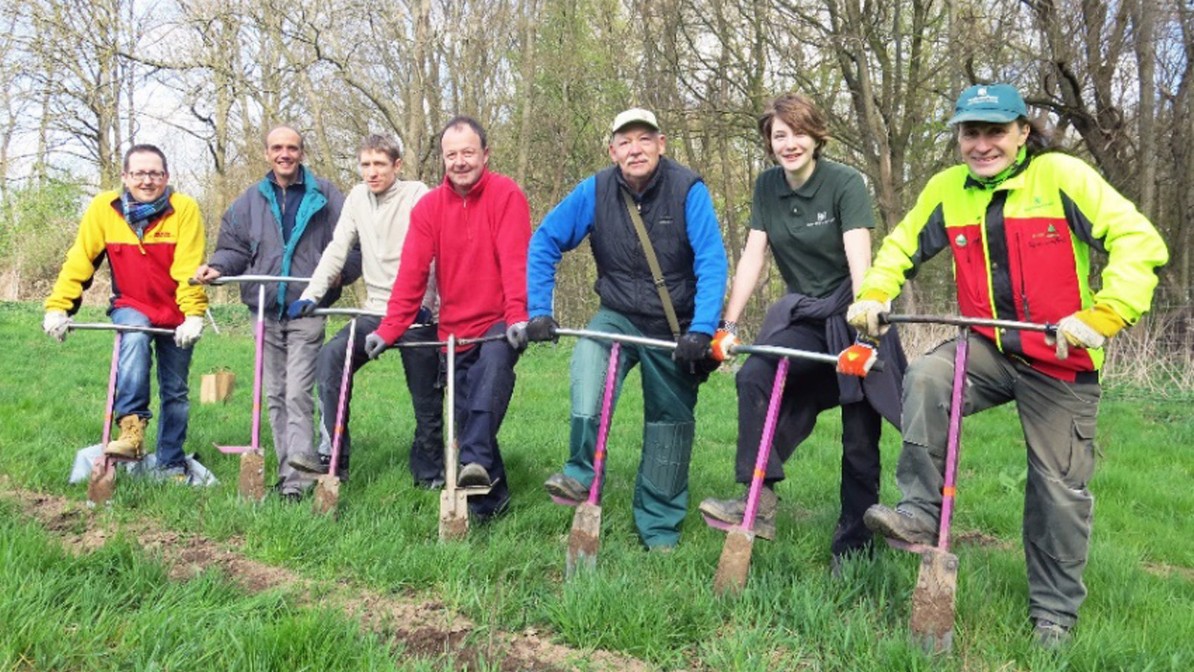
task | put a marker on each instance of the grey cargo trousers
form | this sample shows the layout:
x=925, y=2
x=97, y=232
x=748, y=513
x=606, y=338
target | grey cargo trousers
x=1058, y=419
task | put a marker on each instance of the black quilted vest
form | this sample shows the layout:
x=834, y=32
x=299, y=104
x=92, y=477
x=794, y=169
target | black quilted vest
x=624, y=281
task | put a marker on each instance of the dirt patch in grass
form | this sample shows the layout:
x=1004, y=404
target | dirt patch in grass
x=424, y=628
x=1162, y=569
x=981, y=539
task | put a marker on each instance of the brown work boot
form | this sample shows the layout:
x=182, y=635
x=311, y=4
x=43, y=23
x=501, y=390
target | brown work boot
x=732, y=510
x=473, y=475
x=901, y=525
x=128, y=445
x=566, y=487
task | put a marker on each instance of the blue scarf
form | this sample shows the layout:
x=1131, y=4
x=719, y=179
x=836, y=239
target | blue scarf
x=138, y=214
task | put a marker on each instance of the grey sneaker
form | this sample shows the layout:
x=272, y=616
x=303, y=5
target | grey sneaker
x=731, y=511
x=311, y=464
x=176, y=474
x=566, y=487
x=1050, y=635
x=901, y=525
x=473, y=475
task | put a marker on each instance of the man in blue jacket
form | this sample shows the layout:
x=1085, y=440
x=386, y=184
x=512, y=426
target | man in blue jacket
x=280, y=226
x=676, y=213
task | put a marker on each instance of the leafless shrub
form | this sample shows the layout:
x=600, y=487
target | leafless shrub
x=1155, y=357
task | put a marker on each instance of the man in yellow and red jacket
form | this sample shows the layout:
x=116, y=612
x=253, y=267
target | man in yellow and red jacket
x=153, y=240
x=1021, y=223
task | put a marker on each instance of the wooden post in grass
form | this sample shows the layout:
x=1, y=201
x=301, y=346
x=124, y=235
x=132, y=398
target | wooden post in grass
x=327, y=486
x=734, y=565
x=585, y=539
x=453, y=505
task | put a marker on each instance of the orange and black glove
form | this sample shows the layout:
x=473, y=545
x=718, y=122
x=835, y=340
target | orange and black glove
x=724, y=341
x=858, y=359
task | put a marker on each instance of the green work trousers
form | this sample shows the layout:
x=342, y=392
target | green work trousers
x=669, y=397
x=1058, y=419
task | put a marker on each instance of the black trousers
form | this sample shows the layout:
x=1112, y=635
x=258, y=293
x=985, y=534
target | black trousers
x=484, y=385
x=811, y=387
x=421, y=366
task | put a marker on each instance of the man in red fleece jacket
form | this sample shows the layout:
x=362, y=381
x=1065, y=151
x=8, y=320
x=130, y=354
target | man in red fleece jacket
x=475, y=227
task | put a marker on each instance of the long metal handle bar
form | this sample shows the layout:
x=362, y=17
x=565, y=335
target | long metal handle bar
x=778, y=351
x=352, y=312
x=771, y=350
x=452, y=456
x=958, y=321
x=458, y=341
x=621, y=338
x=232, y=279
x=107, y=326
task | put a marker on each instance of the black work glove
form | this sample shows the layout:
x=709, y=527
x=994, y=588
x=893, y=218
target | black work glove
x=691, y=349
x=374, y=345
x=424, y=316
x=542, y=328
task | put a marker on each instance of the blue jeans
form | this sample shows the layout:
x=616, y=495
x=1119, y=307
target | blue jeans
x=132, y=384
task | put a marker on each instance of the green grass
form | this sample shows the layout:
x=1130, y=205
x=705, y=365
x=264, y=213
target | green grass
x=116, y=609
x=509, y=575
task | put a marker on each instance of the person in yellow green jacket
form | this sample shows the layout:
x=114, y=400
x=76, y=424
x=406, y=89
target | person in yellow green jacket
x=1021, y=223
x=153, y=239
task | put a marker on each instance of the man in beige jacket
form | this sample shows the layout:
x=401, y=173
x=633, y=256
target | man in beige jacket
x=377, y=215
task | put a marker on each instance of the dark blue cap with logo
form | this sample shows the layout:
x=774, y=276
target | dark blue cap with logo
x=995, y=103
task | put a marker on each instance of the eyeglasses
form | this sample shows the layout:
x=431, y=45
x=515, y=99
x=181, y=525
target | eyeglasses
x=141, y=175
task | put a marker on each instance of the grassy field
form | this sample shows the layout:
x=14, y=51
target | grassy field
x=122, y=604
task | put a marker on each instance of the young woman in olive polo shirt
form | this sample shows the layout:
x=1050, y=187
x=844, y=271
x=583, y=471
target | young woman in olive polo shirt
x=815, y=215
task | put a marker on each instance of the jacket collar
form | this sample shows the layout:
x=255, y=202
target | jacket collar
x=306, y=179
x=474, y=193
x=810, y=186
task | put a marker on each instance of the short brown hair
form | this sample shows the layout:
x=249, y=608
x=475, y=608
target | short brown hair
x=462, y=120
x=800, y=114
x=145, y=149
x=388, y=145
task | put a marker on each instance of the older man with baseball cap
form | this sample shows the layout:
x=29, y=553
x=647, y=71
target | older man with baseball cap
x=1021, y=223
x=643, y=196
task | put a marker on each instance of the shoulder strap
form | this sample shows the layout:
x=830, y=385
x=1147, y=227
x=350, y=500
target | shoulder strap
x=653, y=262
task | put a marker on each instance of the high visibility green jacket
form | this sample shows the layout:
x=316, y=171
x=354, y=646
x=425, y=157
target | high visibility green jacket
x=1022, y=252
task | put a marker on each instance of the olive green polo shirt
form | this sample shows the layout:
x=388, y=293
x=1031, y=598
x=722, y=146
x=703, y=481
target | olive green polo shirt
x=804, y=227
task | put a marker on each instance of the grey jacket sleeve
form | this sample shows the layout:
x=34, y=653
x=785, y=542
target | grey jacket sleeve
x=234, y=250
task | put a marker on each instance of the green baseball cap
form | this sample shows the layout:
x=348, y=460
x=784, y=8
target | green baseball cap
x=996, y=103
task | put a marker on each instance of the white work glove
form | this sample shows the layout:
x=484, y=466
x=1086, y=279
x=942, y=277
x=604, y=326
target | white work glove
x=516, y=336
x=1074, y=331
x=56, y=323
x=1088, y=328
x=864, y=314
x=187, y=333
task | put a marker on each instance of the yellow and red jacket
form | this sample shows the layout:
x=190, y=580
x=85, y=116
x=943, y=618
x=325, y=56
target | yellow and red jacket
x=1022, y=252
x=148, y=274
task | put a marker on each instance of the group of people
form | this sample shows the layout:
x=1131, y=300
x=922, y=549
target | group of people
x=460, y=259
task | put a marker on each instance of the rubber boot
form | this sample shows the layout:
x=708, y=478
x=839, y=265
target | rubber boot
x=128, y=445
